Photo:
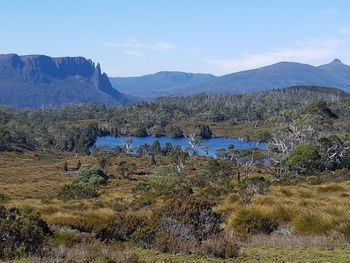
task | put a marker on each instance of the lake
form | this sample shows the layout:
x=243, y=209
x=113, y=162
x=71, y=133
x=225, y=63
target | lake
x=213, y=143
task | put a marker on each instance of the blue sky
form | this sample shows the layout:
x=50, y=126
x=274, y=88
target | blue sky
x=133, y=37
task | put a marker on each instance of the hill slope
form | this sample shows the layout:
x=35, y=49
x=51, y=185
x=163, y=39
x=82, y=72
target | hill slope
x=279, y=75
x=36, y=80
x=158, y=84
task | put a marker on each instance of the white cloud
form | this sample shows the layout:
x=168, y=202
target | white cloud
x=317, y=49
x=134, y=47
x=164, y=46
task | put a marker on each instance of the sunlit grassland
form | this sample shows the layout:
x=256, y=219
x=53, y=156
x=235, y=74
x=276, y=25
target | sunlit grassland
x=318, y=216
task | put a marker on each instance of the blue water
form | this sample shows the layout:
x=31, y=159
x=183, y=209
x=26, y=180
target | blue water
x=213, y=143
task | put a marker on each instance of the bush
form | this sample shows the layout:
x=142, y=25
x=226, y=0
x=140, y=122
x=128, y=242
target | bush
x=220, y=246
x=22, y=235
x=253, y=221
x=191, y=215
x=92, y=175
x=128, y=227
x=158, y=185
x=126, y=169
x=67, y=239
x=3, y=198
x=77, y=191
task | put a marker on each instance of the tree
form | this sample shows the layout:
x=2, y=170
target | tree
x=127, y=144
x=144, y=149
x=204, y=132
x=179, y=156
x=104, y=159
x=194, y=142
x=305, y=159
x=141, y=132
x=176, y=132
x=155, y=147
x=65, y=167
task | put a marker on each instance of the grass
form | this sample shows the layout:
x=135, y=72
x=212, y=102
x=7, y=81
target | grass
x=316, y=215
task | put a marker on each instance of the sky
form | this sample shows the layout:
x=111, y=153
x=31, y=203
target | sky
x=137, y=37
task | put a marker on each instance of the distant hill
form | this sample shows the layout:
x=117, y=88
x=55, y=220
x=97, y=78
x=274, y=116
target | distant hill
x=34, y=81
x=279, y=75
x=158, y=84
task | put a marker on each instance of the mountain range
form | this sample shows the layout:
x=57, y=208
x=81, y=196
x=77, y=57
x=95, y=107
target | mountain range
x=279, y=75
x=34, y=81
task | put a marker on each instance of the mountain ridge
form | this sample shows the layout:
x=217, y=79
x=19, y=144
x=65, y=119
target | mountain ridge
x=279, y=75
x=33, y=81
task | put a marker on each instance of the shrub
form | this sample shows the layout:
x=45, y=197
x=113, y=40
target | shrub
x=22, y=235
x=67, y=239
x=191, y=215
x=253, y=221
x=77, y=191
x=220, y=246
x=125, y=169
x=3, y=198
x=90, y=174
x=158, y=185
x=125, y=227
x=315, y=106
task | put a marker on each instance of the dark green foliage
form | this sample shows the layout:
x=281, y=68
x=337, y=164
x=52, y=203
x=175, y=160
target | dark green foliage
x=77, y=191
x=126, y=227
x=22, y=235
x=143, y=149
x=304, y=159
x=126, y=169
x=78, y=165
x=204, y=132
x=315, y=106
x=263, y=135
x=65, y=167
x=176, y=132
x=141, y=132
x=3, y=198
x=152, y=160
x=156, y=148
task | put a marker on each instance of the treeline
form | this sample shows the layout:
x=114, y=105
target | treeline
x=75, y=127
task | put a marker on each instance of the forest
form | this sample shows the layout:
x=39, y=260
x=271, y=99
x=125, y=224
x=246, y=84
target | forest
x=60, y=201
